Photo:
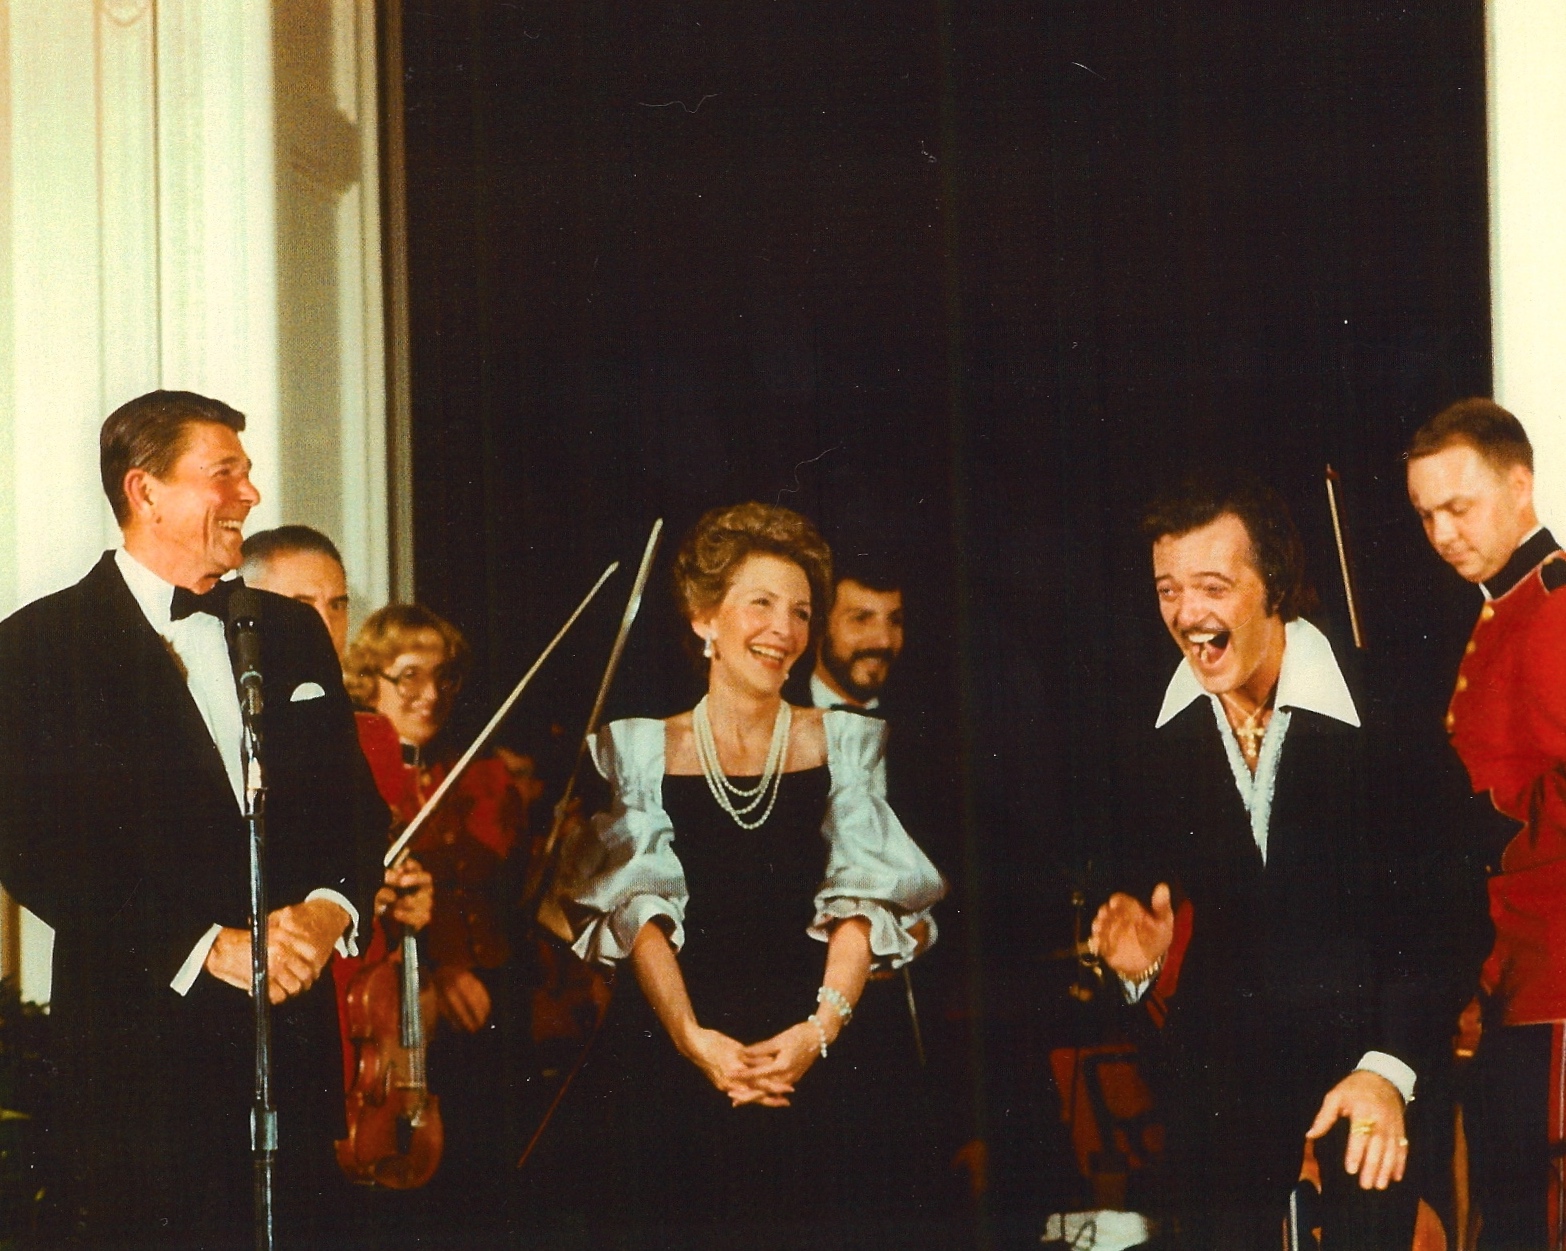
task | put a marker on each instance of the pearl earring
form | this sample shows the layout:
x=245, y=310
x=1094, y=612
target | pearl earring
x=706, y=649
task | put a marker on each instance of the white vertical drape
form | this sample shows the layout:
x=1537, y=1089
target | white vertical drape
x=189, y=198
x=1526, y=72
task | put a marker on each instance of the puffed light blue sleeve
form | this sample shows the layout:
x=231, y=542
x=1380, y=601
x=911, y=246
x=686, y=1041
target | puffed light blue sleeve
x=624, y=871
x=874, y=869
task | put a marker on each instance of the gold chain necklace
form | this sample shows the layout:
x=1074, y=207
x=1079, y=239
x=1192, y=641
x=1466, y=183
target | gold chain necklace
x=1250, y=731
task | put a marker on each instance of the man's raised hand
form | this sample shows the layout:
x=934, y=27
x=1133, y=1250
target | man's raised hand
x=1129, y=938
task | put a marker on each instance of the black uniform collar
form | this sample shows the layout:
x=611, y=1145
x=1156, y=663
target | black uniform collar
x=1524, y=561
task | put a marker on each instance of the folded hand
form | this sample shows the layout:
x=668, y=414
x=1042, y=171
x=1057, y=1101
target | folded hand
x=775, y=1065
x=722, y=1060
x=300, y=940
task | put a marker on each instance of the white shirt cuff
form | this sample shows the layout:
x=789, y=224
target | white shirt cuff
x=1391, y=1068
x=348, y=943
x=191, y=969
x=1135, y=990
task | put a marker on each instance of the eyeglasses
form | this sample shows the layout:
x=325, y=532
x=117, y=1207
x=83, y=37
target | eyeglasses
x=411, y=682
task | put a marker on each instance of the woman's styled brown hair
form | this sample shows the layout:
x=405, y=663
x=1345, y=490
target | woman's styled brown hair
x=725, y=538
x=385, y=635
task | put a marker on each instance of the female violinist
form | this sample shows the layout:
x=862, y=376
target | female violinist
x=406, y=667
x=751, y=871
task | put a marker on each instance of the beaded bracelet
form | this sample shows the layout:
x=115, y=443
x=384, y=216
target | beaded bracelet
x=1149, y=973
x=820, y=1029
x=839, y=1002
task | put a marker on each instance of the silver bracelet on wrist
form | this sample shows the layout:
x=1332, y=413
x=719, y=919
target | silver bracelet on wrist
x=839, y=1002
x=821, y=1030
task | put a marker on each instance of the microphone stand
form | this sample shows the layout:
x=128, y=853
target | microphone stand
x=263, y=1116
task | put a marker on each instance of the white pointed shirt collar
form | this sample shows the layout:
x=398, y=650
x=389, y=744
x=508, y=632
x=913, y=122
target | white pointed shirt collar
x=151, y=592
x=1310, y=679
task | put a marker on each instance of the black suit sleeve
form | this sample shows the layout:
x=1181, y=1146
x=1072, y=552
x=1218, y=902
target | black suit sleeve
x=30, y=816
x=1434, y=927
x=326, y=822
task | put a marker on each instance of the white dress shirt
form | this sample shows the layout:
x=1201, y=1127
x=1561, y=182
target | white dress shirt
x=200, y=644
x=1309, y=679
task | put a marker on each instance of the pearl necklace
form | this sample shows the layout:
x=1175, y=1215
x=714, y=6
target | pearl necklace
x=718, y=782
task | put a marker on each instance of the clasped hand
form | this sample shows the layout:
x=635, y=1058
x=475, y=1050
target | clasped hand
x=763, y=1073
x=409, y=892
x=300, y=940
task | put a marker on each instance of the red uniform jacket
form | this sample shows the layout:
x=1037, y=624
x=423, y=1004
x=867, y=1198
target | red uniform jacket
x=462, y=845
x=1507, y=721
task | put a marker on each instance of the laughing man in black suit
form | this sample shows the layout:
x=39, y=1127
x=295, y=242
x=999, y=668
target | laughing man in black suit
x=1264, y=928
x=120, y=825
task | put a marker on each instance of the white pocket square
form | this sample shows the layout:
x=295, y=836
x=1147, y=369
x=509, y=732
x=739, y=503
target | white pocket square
x=304, y=691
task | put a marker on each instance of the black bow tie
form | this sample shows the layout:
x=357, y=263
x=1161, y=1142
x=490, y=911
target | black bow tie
x=214, y=602
x=872, y=713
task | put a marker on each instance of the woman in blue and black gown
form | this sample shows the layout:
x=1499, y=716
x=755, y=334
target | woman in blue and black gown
x=750, y=871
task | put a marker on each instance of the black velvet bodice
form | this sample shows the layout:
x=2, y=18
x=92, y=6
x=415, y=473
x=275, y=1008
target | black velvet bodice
x=750, y=967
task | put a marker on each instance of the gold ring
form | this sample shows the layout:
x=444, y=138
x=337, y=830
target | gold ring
x=1364, y=1127
x=1402, y=1142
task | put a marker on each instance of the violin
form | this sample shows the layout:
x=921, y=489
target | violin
x=395, y=1136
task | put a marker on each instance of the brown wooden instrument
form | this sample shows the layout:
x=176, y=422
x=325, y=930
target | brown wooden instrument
x=395, y=1136
x=573, y=999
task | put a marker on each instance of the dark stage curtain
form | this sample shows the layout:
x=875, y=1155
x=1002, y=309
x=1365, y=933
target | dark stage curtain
x=965, y=281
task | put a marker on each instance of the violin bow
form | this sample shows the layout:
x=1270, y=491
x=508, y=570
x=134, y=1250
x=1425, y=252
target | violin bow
x=399, y=849
x=532, y=898
x=1339, y=533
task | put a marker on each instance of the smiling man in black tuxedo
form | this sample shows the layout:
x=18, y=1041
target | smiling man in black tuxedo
x=120, y=825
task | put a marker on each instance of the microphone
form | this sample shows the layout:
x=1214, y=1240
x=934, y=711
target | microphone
x=244, y=609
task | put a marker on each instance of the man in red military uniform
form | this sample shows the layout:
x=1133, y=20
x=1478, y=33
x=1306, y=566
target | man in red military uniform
x=1470, y=479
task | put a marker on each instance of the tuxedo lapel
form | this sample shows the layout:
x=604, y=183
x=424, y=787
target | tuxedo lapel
x=147, y=684
x=1216, y=817
x=1317, y=791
